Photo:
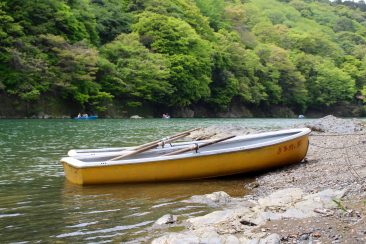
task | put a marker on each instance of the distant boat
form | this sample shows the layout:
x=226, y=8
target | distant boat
x=187, y=161
x=92, y=117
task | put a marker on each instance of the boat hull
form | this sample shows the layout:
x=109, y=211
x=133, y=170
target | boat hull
x=205, y=166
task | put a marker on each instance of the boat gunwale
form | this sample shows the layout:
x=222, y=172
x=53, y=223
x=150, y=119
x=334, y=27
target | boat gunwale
x=91, y=152
x=76, y=163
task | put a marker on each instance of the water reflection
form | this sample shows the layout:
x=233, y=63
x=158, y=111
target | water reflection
x=233, y=185
x=133, y=208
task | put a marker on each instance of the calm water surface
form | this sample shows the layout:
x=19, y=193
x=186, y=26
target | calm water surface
x=37, y=204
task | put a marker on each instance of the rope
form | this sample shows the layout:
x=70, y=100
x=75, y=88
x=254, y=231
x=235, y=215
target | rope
x=197, y=147
x=351, y=169
x=345, y=150
x=346, y=134
x=359, y=154
x=336, y=148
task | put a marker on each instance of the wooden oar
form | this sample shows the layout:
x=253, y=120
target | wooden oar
x=154, y=144
x=196, y=146
x=165, y=139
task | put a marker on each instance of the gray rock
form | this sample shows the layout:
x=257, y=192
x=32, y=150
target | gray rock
x=282, y=198
x=218, y=226
x=271, y=239
x=208, y=236
x=166, y=219
x=176, y=238
x=213, y=199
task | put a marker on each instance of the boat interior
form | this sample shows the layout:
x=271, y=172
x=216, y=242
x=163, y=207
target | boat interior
x=228, y=144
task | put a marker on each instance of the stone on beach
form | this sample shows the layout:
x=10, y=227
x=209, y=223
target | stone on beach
x=213, y=199
x=238, y=221
x=166, y=219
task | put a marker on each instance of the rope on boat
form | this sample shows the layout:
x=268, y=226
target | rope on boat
x=197, y=147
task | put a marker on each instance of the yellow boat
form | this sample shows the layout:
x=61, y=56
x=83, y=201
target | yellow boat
x=240, y=154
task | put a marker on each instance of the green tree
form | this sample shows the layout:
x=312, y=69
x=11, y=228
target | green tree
x=281, y=70
x=130, y=71
x=48, y=17
x=215, y=11
x=344, y=24
x=189, y=55
x=332, y=85
x=355, y=68
x=112, y=18
x=74, y=68
x=185, y=10
x=235, y=72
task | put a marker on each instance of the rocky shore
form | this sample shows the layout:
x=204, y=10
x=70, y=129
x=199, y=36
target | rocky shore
x=320, y=200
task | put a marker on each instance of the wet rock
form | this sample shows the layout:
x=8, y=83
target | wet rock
x=166, y=219
x=252, y=185
x=213, y=199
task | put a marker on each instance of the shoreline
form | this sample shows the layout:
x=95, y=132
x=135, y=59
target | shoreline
x=320, y=200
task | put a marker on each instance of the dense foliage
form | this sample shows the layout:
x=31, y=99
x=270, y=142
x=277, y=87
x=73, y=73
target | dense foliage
x=294, y=53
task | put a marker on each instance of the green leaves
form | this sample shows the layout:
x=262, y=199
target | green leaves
x=332, y=84
x=129, y=70
x=183, y=52
x=111, y=19
x=188, y=55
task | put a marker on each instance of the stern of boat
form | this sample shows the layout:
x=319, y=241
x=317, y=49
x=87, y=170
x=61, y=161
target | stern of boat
x=72, y=173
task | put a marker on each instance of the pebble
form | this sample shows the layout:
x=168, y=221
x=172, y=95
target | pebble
x=304, y=237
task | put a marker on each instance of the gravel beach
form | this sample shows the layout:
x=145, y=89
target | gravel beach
x=320, y=200
x=336, y=160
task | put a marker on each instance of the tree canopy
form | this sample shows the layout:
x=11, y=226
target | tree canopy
x=296, y=53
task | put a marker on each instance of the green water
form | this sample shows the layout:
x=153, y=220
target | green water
x=37, y=204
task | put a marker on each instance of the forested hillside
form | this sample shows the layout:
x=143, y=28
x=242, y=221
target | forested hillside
x=94, y=54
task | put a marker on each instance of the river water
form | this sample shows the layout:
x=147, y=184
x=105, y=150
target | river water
x=37, y=204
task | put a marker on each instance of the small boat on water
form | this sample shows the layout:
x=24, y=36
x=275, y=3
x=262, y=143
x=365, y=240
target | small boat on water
x=187, y=161
x=92, y=117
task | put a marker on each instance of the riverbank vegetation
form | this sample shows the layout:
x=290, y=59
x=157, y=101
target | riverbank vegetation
x=183, y=53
